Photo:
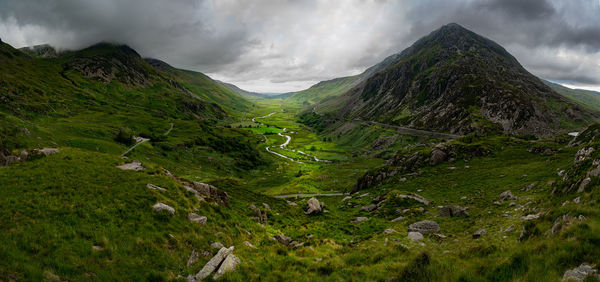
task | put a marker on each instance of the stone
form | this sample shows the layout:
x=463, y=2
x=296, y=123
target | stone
x=584, y=183
x=507, y=196
x=437, y=155
x=97, y=248
x=508, y=229
x=424, y=227
x=193, y=258
x=369, y=208
x=192, y=217
x=415, y=197
x=249, y=245
x=261, y=216
x=580, y=273
x=531, y=216
x=154, y=187
x=216, y=245
x=400, y=218
x=212, y=264
x=577, y=200
x=48, y=151
x=285, y=240
x=135, y=165
x=24, y=155
x=359, y=219
x=198, y=196
x=160, y=207
x=313, y=206
x=479, y=233
x=439, y=236
x=453, y=211
x=390, y=231
x=346, y=198
x=415, y=236
x=266, y=206
x=228, y=265
x=290, y=203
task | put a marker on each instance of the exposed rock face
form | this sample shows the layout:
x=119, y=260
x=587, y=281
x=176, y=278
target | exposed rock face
x=580, y=273
x=424, y=227
x=313, y=206
x=135, y=165
x=453, y=211
x=160, y=207
x=212, y=264
x=192, y=217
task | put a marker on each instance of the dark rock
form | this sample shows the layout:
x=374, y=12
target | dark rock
x=369, y=208
x=479, y=233
x=453, y=211
x=285, y=240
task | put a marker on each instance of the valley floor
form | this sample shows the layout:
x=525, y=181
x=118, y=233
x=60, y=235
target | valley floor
x=74, y=215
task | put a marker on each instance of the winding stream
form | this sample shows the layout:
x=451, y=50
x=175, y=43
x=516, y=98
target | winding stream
x=284, y=145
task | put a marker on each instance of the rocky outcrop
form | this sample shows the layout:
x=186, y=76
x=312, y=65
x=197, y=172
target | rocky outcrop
x=424, y=227
x=209, y=191
x=229, y=264
x=313, y=206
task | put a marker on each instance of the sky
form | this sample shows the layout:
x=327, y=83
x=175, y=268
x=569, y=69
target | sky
x=281, y=46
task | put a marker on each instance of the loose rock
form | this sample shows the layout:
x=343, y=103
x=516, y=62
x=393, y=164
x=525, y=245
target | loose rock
x=580, y=273
x=216, y=245
x=415, y=236
x=313, y=206
x=193, y=258
x=229, y=264
x=159, y=207
x=285, y=240
x=359, y=219
x=369, y=208
x=135, y=165
x=479, y=233
x=453, y=211
x=212, y=264
x=192, y=217
x=507, y=196
x=424, y=227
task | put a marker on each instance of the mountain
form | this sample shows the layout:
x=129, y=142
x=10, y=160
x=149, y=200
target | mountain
x=586, y=98
x=456, y=81
x=42, y=51
x=242, y=91
x=325, y=90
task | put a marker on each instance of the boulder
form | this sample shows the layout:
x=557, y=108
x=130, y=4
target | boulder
x=507, y=196
x=580, y=273
x=453, y=211
x=212, y=264
x=24, y=155
x=424, y=227
x=266, y=206
x=369, y=208
x=228, y=265
x=192, y=217
x=198, y=196
x=415, y=236
x=209, y=191
x=437, y=155
x=135, y=165
x=359, y=219
x=155, y=187
x=313, y=206
x=479, y=233
x=261, y=216
x=285, y=240
x=160, y=207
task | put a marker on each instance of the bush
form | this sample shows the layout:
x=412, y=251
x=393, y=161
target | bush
x=125, y=136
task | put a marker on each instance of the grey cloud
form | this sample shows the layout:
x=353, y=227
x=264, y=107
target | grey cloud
x=270, y=45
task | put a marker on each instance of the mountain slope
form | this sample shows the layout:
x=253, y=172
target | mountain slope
x=325, y=90
x=456, y=81
x=585, y=98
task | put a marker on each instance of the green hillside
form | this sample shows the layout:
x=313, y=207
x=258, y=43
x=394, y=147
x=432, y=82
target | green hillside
x=586, y=98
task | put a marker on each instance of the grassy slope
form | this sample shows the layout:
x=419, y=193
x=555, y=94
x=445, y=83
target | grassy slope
x=324, y=90
x=586, y=98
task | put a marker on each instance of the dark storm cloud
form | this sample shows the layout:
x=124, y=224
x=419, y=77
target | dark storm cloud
x=283, y=45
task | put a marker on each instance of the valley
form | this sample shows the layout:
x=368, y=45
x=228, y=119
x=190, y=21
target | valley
x=445, y=162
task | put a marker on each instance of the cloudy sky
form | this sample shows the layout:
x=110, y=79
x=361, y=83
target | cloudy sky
x=280, y=46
